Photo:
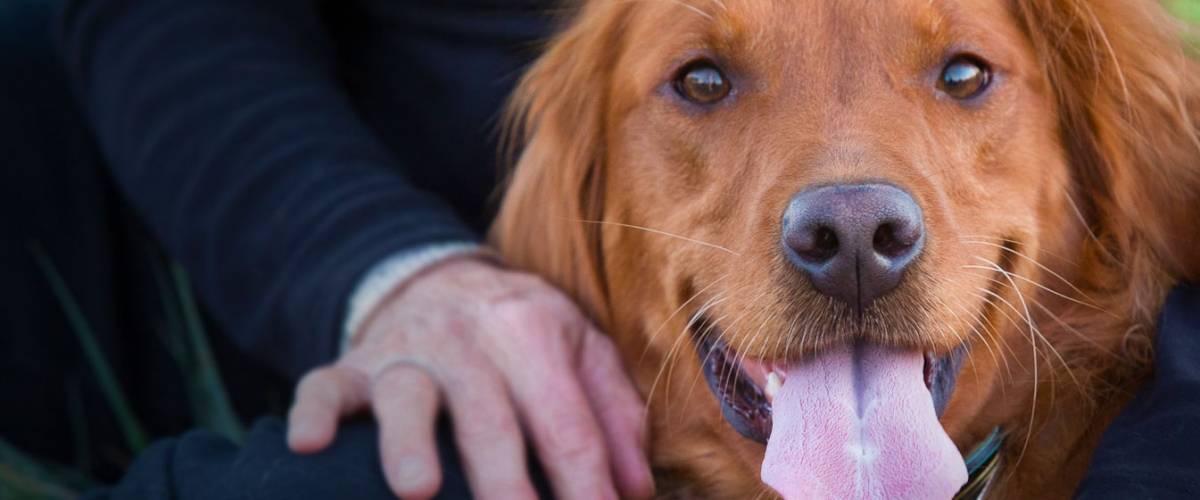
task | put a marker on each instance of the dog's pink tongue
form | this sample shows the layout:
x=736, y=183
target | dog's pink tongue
x=858, y=422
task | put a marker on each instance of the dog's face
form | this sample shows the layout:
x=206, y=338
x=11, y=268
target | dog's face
x=762, y=185
x=758, y=129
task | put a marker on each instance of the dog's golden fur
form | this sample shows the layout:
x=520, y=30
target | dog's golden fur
x=1060, y=210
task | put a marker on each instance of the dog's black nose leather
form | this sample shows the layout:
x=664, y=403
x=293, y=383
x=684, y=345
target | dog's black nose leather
x=854, y=241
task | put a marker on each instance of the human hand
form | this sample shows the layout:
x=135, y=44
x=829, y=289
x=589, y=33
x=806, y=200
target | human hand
x=500, y=351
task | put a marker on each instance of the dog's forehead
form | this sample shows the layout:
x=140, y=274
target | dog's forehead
x=825, y=24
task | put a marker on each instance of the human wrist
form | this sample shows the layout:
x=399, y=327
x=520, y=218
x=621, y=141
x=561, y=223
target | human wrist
x=394, y=273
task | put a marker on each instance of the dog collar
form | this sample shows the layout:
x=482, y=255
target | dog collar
x=982, y=464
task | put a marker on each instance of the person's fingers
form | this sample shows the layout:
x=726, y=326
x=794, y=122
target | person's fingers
x=556, y=412
x=322, y=398
x=486, y=429
x=405, y=402
x=621, y=413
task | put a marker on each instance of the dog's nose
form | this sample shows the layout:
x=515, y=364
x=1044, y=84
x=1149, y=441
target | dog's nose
x=853, y=240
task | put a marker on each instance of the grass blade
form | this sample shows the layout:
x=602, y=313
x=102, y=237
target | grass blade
x=132, y=430
x=172, y=338
x=23, y=477
x=214, y=412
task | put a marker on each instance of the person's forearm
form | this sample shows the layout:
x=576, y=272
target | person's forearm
x=224, y=125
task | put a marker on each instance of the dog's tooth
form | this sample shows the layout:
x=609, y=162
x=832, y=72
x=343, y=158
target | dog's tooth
x=774, y=383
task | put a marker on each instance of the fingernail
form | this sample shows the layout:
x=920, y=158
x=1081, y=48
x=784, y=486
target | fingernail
x=411, y=470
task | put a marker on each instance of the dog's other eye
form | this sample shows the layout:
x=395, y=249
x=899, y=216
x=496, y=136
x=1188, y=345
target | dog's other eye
x=964, y=77
x=702, y=83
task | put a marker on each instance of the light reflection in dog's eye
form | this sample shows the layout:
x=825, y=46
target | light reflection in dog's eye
x=701, y=82
x=964, y=77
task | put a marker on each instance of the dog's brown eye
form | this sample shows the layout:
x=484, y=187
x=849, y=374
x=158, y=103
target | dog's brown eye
x=701, y=82
x=964, y=77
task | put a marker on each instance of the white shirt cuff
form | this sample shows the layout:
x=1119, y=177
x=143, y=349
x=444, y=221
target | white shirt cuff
x=391, y=273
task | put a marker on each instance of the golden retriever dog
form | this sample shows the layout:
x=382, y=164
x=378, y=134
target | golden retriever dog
x=843, y=243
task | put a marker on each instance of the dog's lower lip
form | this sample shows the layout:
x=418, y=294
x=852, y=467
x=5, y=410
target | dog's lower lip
x=743, y=401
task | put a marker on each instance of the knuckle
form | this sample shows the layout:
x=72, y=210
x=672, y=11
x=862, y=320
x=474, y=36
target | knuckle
x=316, y=383
x=627, y=422
x=390, y=379
x=315, y=377
x=525, y=281
x=512, y=489
x=491, y=427
x=576, y=441
x=538, y=315
x=520, y=310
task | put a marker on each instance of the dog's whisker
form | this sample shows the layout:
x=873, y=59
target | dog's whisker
x=678, y=349
x=807, y=327
x=1005, y=240
x=720, y=3
x=730, y=333
x=1033, y=353
x=983, y=326
x=1036, y=331
x=740, y=351
x=1038, y=285
x=1035, y=335
x=1054, y=350
x=1082, y=336
x=1010, y=249
x=668, y=359
x=1088, y=227
x=691, y=8
x=983, y=322
x=1017, y=323
x=658, y=232
x=786, y=339
x=661, y=327
x=961, y=338
x=709, y=329
x=1090, y=304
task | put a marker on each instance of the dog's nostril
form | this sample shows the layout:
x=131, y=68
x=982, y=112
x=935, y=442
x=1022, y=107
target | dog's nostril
x=825, y=245
x=888, y=242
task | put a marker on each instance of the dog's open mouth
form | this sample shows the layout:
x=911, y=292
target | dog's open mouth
x=859, y=421
x=745, y=386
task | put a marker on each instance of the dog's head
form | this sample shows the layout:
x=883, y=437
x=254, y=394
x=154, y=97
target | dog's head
x=870, y=199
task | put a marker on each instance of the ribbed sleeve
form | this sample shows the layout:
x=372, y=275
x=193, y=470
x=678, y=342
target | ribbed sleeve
x=224, y=124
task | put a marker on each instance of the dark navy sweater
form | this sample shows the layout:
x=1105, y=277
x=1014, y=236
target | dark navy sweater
x=280, y=148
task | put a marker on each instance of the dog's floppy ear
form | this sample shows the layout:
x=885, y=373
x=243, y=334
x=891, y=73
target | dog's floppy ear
x=1128, y=95
x=556, y=117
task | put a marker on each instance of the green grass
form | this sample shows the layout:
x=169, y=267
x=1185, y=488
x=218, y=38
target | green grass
x=135, y=435
x=22, y=477
x=1188, y=10
x=187, y=342
x=185, y=339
